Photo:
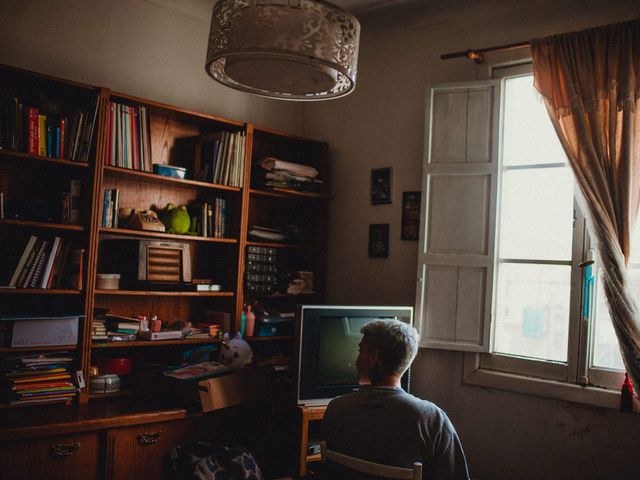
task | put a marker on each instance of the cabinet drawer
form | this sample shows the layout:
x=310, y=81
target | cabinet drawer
x=139, y=452
x=64, y=457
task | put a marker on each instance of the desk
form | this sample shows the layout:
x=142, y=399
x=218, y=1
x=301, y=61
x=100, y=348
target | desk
x=308, y=414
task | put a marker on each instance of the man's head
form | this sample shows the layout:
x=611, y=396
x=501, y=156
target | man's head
x=386, y=350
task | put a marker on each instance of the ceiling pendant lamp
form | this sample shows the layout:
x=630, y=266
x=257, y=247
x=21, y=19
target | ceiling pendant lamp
x=286, y=49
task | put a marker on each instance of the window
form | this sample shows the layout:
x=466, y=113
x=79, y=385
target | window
x=524, y=265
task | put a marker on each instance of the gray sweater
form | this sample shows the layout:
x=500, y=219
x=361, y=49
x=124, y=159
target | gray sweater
x=389, y=426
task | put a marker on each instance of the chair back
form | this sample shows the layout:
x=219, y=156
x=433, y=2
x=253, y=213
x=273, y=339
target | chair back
x=370, y=468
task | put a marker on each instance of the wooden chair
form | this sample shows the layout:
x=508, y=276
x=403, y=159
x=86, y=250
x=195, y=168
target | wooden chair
x=370, y=468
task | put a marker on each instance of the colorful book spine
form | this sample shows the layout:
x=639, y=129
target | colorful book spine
x=32, y=132
x=42, y=135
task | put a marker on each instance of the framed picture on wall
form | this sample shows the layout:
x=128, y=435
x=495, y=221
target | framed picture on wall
x=381, y=185
x=410, y=216
x=379, y=240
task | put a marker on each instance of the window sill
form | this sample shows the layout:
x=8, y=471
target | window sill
x=595, y=396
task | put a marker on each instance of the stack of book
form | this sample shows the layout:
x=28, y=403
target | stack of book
x=220, y=158
x=211, y=219
x=128, y=133
x=261, y=270
x=41, y=378
x=48, y=263
x=110, y=205
x=98, y=329
x=118, y=325
x=32, y=130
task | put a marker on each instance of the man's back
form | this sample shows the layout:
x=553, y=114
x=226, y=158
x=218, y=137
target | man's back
x=389, y=426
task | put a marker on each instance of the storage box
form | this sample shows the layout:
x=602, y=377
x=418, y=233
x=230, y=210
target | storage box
x=248, y=384
x=169, y=170
x=44, y=331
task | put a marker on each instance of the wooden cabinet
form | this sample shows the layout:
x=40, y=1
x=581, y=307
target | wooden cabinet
x=140, y=451
x=308, y=415
x=64, y=457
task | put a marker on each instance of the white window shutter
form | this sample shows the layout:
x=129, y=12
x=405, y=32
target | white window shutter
x=456, y=256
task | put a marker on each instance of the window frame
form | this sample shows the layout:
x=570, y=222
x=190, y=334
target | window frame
x=578, y=380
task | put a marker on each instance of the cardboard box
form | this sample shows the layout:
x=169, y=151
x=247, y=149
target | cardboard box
x=245, y=385
x=44, y=331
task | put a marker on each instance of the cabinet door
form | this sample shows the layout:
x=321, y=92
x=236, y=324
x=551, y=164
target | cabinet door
x=64, y=457
x=140, y=451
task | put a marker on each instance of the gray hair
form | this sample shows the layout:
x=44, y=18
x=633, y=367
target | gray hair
x=396, y=341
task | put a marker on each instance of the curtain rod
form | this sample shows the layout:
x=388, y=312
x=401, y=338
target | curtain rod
x=477, y=55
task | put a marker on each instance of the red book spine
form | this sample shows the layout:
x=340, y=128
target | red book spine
x=63, y=134
x=33, y=131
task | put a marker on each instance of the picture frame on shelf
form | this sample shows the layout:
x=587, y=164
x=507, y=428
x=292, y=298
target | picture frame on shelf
x=381, y=186
x=379, y=240
x=410, y=216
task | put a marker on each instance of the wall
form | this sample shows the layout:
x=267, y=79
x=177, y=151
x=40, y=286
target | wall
x=506, y=435
x=153, y=49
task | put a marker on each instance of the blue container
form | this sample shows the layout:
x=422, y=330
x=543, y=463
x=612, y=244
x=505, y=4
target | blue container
x=169, y=170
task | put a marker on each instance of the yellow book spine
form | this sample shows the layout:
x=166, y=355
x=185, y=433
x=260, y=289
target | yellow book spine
x=42, y=135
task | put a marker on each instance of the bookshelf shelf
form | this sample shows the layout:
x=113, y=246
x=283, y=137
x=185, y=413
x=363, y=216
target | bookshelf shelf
x=37, y=291
x=278, y=245
x=285, y=193
x=156, y=343
x=143, y=293
x=170, y=180
x=37, y=158
x=275, y=338
x=47, y=225
x=56, y=348
x=143, y=233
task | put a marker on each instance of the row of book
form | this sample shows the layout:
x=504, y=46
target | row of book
x=110, y=205
x=211, y=219
x=38, y=378
x=220, y=158
x=34, y=131
x=129, y=140
x=47, y=263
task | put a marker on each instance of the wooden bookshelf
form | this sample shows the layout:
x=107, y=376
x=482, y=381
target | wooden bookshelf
x=285, y=193
x=42, y=160
x=162, y=235
x=43, y=225
x=155, y=343
x=56, y=348
x=169, y=180
x=277, y=245
x=38, y=291
x=159, y=293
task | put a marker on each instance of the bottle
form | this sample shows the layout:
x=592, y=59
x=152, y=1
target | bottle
x=626, y=395
x=250, y=322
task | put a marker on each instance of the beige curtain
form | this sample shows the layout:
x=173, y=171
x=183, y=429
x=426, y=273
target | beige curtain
x=590, y=81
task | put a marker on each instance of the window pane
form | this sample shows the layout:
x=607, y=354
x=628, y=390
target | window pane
x=536, y=214
x=532, y=311
x=528, y=136
x=606, y=352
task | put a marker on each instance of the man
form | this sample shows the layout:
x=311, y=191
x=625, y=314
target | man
x=384, y=424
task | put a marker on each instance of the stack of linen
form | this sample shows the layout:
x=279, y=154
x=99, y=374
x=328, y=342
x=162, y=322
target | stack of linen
x=281, y=174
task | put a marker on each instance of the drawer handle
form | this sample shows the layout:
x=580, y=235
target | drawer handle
x=61, y=450
x=149, y=438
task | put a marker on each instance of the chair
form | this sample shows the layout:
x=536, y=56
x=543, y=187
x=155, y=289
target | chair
x=370, y=468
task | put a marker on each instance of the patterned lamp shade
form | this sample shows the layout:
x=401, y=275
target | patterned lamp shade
x=287, y=49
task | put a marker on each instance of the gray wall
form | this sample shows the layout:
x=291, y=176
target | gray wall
x=153, y=49
x=506, y=435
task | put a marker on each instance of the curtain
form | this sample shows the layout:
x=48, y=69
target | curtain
x=590, y=81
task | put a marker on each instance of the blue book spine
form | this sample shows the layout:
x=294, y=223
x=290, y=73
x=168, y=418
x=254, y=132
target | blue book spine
x=57, y=142
x=50, y=151
x=105, y=206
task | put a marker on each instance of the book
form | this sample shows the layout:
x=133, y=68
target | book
x=75, y=187
x=87, y=134
x=23, y=260
x=198, y=371
x=35, y=280
x=33, y=141
x=44, y=280
x=56, y=264
x=42, y=135
x=35, y=264
x=162, y=335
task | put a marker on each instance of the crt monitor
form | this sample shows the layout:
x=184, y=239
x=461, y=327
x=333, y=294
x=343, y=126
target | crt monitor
x=327, y=340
